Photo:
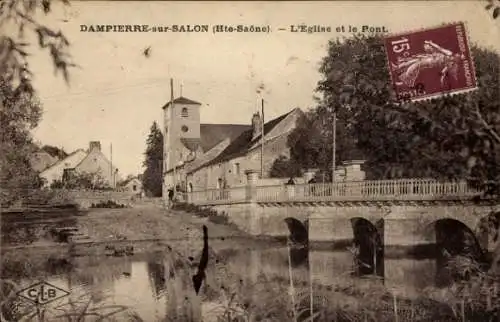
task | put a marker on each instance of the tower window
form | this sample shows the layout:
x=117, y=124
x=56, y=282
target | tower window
x=184, y=112
x=184, y=128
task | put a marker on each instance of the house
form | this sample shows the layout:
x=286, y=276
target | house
x=206, y=156
x=133, y=185
x=92, y=161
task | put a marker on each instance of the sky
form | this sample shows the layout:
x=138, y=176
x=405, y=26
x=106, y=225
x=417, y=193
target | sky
x=116, y=92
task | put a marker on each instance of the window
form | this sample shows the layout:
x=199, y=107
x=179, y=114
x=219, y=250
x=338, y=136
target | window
x=184, y=112
x=237, y=168
x=184, y=129
x=134, y=187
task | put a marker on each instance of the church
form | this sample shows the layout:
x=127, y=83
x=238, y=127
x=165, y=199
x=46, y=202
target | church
x=200, y=156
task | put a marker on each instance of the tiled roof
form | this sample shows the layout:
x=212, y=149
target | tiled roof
x=182, y=100
x=69, y=156
x=244, y=142
x=213, y=134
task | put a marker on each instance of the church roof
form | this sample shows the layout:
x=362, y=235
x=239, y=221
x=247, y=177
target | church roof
x=182, y=100
x=241, y=144
x=213, y=134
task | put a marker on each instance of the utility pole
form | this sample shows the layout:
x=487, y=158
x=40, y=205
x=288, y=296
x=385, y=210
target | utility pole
x=112, y=179
x=262, y=144
x=169, y=143
x=334, y=145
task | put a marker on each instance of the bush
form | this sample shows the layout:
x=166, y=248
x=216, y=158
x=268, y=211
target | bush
x=108, y=204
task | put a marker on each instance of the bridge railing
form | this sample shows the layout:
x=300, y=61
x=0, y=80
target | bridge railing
x=218, y=196
x=404, y=189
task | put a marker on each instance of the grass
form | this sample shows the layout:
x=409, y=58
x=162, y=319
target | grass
x=349, y=300
x=211, y=214
x=81, y=308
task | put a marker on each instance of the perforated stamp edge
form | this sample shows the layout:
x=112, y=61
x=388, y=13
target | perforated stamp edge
x=443, y=93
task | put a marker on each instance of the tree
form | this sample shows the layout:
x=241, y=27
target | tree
x=153, y=174
x=453, y=137
x=18, y=115
x=283, y=167
x=20, y=110
x=311, y=142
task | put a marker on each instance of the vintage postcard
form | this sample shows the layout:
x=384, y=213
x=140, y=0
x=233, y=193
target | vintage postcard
x=250, y=161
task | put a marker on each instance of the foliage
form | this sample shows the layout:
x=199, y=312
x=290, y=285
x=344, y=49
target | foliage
x=153, y=174
x=20, y=111
x=83, y=307
x=311, y=143
x=495, y=8
x=450, y=137
x=283, y=167
x=275, y=298
x=21, y=15
x=108, y=204
x=81, y=180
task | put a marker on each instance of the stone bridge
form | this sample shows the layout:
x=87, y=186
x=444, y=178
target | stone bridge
x=404, y=212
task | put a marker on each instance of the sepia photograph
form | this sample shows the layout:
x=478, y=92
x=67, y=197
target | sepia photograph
x=250, y=161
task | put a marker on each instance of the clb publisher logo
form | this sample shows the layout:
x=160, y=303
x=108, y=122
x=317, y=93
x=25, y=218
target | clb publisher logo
x=42, y=293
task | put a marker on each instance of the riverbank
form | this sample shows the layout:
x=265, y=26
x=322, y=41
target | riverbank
x=145, y=226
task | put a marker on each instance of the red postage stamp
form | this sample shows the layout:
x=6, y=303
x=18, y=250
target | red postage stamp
x=431, y=62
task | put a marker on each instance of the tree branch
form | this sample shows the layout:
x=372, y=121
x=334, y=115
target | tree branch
x=485, y=124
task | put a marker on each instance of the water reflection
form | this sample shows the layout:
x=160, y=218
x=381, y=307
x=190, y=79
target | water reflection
x=299, y=256
x=368, y=247
x=147, y=284
x=157, y=277
x=455, y=240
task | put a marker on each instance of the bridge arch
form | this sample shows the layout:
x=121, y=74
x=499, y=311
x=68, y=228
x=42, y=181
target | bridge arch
x=368, y=245
x=455, y=238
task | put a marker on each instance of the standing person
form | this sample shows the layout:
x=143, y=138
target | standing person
x=170, y=198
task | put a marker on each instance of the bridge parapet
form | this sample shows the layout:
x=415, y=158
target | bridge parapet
x=377, y=190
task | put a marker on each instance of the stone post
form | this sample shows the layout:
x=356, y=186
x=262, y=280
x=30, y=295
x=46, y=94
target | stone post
x=252, y=177
x=340, y=174
x=253, y=214
x=353, y=173
x=353, y=170
x=290, y=190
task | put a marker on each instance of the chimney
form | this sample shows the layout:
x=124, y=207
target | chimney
x=256, y=125
x=94, y=145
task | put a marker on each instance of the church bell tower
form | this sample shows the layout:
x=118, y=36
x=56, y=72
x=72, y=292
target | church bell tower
x=181, y=134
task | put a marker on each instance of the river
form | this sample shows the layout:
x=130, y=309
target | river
x=141, y=282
